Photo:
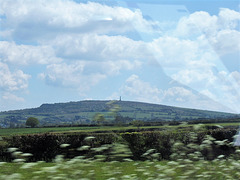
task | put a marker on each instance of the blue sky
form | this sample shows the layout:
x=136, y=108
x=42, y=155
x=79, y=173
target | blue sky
x=179, y=53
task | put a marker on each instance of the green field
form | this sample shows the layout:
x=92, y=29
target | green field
x=21, y=131
x=74, y=169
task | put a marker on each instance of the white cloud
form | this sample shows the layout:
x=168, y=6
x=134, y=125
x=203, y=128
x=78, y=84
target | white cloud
x=66, y=75
x=236, y=76
x=172, y=52
x=182, y=97
x=230, y=79
x=84, y=74
x=98, y=47
x=230, y=86
x=226, y=42
x=72, y=41
x=28, y=20
x=222, y=87
x=26, y=54
x=226, y=89
x=195, y=78
x=12, y=81
x=140, y=90
x=189, y=62
x=136, y=89
x=178, y=93
x=222, y=31
x=11, y=97
x=115, y=67
x=192, y=57
x=197, y=23
x=228, y=19
x=202, y=22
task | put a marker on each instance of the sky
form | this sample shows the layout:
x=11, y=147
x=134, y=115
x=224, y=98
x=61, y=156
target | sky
x=177, y=53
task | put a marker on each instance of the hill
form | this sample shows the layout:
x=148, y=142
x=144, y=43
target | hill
x=82, y=112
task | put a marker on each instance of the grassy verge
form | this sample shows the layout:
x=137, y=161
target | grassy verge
x=73, y=169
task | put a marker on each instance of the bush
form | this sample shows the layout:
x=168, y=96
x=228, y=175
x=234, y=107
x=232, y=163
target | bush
x=32, y=122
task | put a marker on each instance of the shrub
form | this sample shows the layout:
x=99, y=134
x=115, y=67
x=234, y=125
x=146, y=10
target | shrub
x=32, y=122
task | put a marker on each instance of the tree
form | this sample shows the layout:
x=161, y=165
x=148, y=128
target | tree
x=137, y=123
x=119, y=120
x=99, y=118
x=32, y=122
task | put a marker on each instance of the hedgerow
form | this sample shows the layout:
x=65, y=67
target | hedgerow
x=47, y=146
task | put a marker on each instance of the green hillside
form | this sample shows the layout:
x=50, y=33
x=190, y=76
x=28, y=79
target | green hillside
x=82, y=112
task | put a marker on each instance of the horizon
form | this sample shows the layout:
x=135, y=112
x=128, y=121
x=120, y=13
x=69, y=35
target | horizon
x=174, y=53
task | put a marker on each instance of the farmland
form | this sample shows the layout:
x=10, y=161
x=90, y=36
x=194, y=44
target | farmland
x=22, y=131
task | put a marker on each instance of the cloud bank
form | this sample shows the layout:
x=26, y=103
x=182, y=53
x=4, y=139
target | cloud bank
x=77, y=46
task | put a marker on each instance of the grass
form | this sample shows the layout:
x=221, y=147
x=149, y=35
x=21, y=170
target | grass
x=184, y=169
x=22, y=131
x=97, y=170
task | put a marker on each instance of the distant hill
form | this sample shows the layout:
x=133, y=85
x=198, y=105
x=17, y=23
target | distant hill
x=84, y=111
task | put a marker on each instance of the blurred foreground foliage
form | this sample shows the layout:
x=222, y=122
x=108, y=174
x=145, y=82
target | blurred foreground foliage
x=45, y=147
x=198, y=154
